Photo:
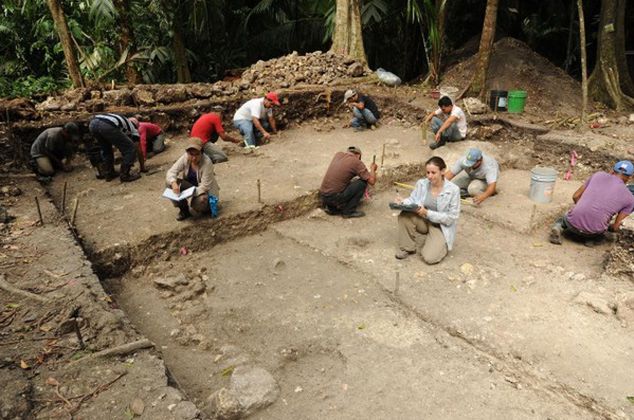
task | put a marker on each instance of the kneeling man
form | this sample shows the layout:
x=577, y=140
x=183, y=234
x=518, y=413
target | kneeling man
x=480, y=176
x=603, y=196
x=339, y=193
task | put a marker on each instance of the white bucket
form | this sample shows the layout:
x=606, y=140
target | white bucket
x=542, y=184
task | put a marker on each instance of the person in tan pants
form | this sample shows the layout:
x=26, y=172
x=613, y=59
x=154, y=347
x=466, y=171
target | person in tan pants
x=432, y=226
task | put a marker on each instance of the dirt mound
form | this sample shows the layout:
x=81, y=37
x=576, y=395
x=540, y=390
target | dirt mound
x=315, y=68
x=514, y=66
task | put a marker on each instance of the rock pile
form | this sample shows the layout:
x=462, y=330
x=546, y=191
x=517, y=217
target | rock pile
x=315, y=68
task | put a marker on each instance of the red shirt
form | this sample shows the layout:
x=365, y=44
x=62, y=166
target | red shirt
x=147, y=130
x=206, y=125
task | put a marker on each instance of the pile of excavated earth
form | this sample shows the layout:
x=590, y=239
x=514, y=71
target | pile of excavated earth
x=110, y=308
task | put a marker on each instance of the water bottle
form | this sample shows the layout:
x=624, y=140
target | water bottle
x=213, y=205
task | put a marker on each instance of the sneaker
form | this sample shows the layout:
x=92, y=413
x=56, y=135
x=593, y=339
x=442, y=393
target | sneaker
x=183, y=214
x=358, y=129
x=331, y=212
x=356, y=213
x=555, y=235
x=402, y=254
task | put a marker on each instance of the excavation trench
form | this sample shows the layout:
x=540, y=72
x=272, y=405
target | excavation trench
x=280, y=287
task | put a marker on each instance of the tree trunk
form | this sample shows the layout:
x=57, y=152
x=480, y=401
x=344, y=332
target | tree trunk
x=610, y=81
x=180, y=54
x=478, y=84
x=64, y=36
x=348, y=37
x=584, y=68
x=126, y=40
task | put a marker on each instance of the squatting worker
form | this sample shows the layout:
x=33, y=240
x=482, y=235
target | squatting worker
x=255, y=118
x=448, y=123
x=480, y=176
x=151, y=138
x=116, y=130
x=193, y=169
x=366, y=113
x=435, y=220
x=345, y=182
x=52, y=149
x=208, y=128
x=600, y=198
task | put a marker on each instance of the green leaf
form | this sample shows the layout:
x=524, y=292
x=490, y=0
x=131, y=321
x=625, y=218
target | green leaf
x=630, y=398
x=227, y=371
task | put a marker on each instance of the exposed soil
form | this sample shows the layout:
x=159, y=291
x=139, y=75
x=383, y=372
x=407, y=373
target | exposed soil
x=279, y=311
x=514, y=66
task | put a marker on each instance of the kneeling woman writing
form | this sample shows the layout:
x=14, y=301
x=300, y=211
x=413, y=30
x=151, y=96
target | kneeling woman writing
x=434, y=221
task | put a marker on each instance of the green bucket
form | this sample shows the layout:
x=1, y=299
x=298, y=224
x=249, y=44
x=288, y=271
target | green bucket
x=516, y=101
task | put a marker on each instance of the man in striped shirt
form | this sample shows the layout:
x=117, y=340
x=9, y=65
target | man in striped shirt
x=116, y=130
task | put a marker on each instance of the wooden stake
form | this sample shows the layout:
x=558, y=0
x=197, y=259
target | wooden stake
x=39, y=211
x=373, y=158
x=72, y=220
x=64, y=198
x=259, y=191
x=383, y=155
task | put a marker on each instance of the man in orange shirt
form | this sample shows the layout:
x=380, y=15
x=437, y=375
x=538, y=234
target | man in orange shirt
x=208, y=128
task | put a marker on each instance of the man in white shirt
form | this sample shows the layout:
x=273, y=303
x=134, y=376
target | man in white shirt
x=448, y=123
x=256, y=114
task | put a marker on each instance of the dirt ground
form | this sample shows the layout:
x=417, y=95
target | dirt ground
x=292, y=313
x=277, y=311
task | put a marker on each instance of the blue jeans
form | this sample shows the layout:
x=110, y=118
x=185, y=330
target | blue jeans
x=362, y=117
x=249, y=132
x=450, y=134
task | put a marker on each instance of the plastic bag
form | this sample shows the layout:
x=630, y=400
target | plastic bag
x=388, y=78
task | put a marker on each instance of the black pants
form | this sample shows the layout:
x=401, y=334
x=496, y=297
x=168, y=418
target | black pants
x=108, y=135
x=346, y=201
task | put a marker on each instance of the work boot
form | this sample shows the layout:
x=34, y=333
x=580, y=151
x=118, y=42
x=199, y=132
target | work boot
x=555, y=235
x=109, y=172
x=126, y=176
x=184, y=213
x=402, y=254
x=437, y=144
x=356, y=213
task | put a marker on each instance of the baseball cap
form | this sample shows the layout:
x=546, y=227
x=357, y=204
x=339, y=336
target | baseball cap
x=349, y=94
x=354, y=149
x=624, y=167
x=272, y=96
x=73, y=130
x=473, y=155
x=194, y=143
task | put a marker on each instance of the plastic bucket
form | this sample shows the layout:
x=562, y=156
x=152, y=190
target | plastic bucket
x=542, y=184
x=497, y=100
x=516, y=101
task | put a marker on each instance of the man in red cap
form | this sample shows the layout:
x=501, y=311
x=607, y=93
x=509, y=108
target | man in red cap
x=255, y=118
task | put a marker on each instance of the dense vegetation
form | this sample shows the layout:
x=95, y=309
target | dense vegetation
x=202, y=40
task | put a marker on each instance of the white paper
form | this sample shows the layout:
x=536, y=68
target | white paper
x=169, y=193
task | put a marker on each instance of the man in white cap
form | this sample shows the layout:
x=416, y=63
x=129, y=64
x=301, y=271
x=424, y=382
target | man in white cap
x=480, y=176
x=366, y=113
x=255, y=117
x=600, y=198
